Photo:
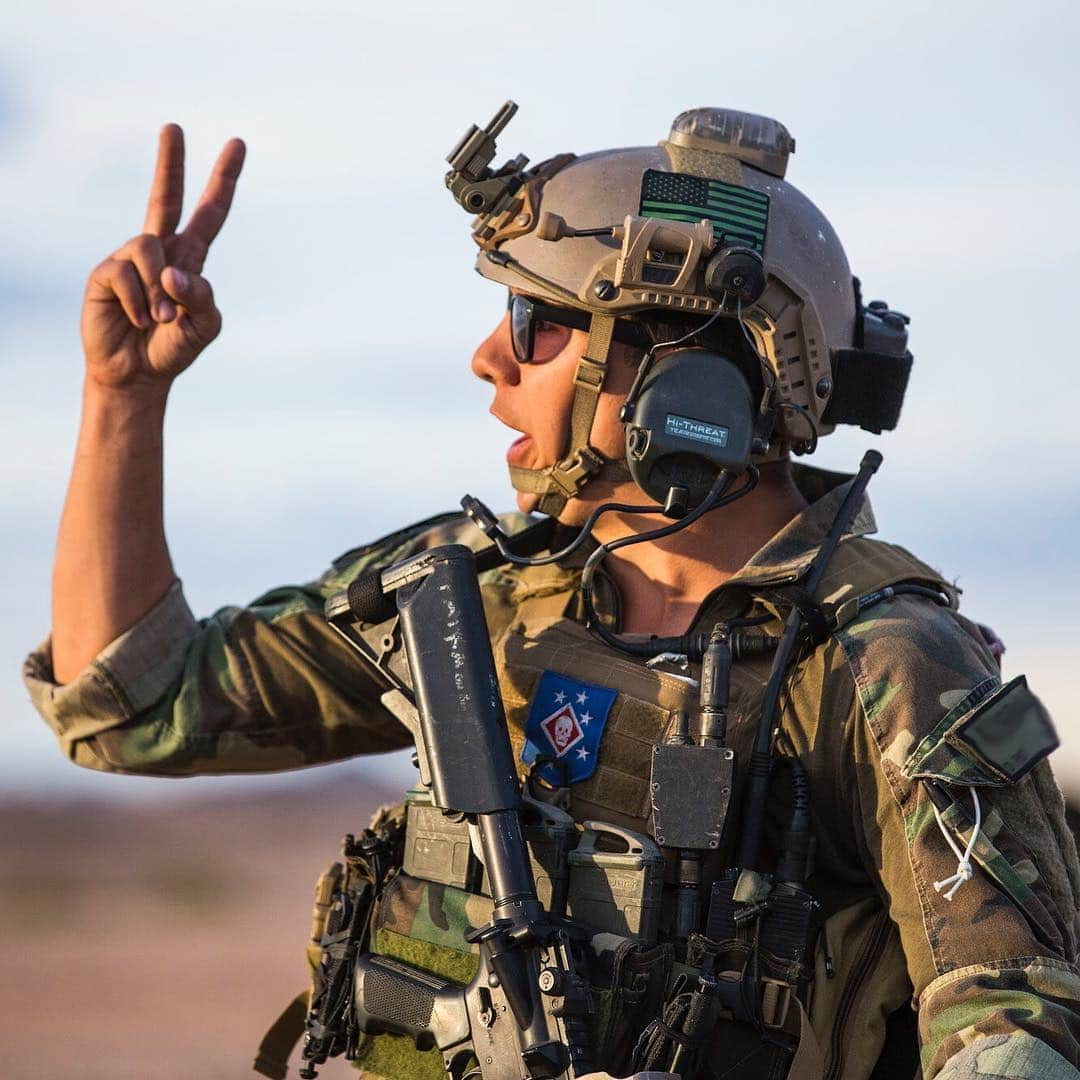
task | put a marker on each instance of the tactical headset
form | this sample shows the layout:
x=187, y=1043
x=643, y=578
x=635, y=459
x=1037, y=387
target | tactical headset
x=690, y=414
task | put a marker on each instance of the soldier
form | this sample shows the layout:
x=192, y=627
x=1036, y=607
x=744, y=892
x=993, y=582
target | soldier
x=946, y=881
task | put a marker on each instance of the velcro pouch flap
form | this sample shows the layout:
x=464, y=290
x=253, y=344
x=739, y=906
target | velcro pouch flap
x=992, y=737
x=1007, y=733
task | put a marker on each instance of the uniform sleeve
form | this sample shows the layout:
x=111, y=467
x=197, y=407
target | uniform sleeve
x=994, y=969
x=257, y=688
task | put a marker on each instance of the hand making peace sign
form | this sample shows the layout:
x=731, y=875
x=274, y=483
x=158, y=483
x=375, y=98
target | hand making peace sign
x=148, y=311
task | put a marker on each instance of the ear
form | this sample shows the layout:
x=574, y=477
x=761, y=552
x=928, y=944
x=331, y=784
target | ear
x=623, y=363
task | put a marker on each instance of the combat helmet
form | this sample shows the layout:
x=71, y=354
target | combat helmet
x=700, y=224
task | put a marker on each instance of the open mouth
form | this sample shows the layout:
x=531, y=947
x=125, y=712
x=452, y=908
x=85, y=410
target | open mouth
x=518, y=449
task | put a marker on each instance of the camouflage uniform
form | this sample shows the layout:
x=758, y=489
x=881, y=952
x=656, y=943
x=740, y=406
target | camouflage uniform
x=871, y=713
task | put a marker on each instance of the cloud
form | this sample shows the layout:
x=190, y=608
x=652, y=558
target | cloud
x=337, y=402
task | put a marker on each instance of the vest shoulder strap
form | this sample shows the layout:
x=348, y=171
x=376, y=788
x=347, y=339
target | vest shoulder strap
x=862, y=565
x=859, y=567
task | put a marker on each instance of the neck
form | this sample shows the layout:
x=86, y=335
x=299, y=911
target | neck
x=662, y=583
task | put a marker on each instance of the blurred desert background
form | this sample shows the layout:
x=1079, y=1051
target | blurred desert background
x=162, y=941
x=154, y=928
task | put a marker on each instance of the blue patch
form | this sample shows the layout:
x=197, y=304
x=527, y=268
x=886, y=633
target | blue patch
x=566, y=720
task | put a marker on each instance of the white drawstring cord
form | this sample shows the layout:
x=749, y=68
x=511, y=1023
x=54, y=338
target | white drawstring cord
x=963, y=866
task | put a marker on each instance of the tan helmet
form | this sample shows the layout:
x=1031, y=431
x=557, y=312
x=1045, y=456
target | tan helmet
x=703, y=222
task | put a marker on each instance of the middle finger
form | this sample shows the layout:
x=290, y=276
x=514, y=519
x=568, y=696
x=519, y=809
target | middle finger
x=208, y=217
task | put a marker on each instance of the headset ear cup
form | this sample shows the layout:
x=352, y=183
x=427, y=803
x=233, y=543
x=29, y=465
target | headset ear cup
x=735, y=273
x=693, y=418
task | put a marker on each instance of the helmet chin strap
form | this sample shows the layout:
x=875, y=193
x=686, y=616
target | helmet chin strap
x=557, y=484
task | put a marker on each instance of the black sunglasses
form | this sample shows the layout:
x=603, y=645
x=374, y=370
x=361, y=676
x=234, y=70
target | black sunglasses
x=525, y=313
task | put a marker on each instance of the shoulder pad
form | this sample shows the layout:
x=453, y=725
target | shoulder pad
x=996, y=735
x=863, y=565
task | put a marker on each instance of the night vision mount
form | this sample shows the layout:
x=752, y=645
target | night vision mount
x=477, y=187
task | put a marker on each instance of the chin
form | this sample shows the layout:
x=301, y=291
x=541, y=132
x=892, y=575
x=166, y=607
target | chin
x=574, y=513
x=527, y=502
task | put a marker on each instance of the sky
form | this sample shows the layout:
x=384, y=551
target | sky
x=338, y=405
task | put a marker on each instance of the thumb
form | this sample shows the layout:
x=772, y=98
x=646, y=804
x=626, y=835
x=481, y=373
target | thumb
x=188, y=289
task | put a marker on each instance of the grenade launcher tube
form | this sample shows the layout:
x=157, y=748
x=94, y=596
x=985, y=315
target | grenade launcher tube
x=457, y=690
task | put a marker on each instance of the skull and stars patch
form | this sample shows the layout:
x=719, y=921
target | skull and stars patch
x=566, y=720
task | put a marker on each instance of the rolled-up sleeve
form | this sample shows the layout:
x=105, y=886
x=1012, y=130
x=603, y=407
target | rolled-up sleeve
x=267, y=686
x=128, y=677
x=257, y=688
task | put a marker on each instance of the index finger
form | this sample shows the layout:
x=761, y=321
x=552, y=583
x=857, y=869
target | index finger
x=167, y=188
x=208, y=217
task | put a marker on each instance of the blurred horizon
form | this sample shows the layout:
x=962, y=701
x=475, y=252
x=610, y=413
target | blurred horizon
x=337, y=404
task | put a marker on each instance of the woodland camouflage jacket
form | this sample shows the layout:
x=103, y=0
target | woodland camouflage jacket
x=874, y=711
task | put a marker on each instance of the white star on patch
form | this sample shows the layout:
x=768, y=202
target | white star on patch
x=560, y=697
x=581, y=698
x=582, y=753
x=585, y=718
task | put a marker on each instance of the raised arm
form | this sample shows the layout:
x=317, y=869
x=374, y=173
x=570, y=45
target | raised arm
x=131, y=681
x=147, y=315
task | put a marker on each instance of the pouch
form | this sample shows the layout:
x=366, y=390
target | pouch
x=1007, y=734
x=995, y=735
x=991, y=739
x=618, y=791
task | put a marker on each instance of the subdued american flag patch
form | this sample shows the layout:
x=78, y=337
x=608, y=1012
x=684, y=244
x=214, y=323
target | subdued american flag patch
x=736, y=213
